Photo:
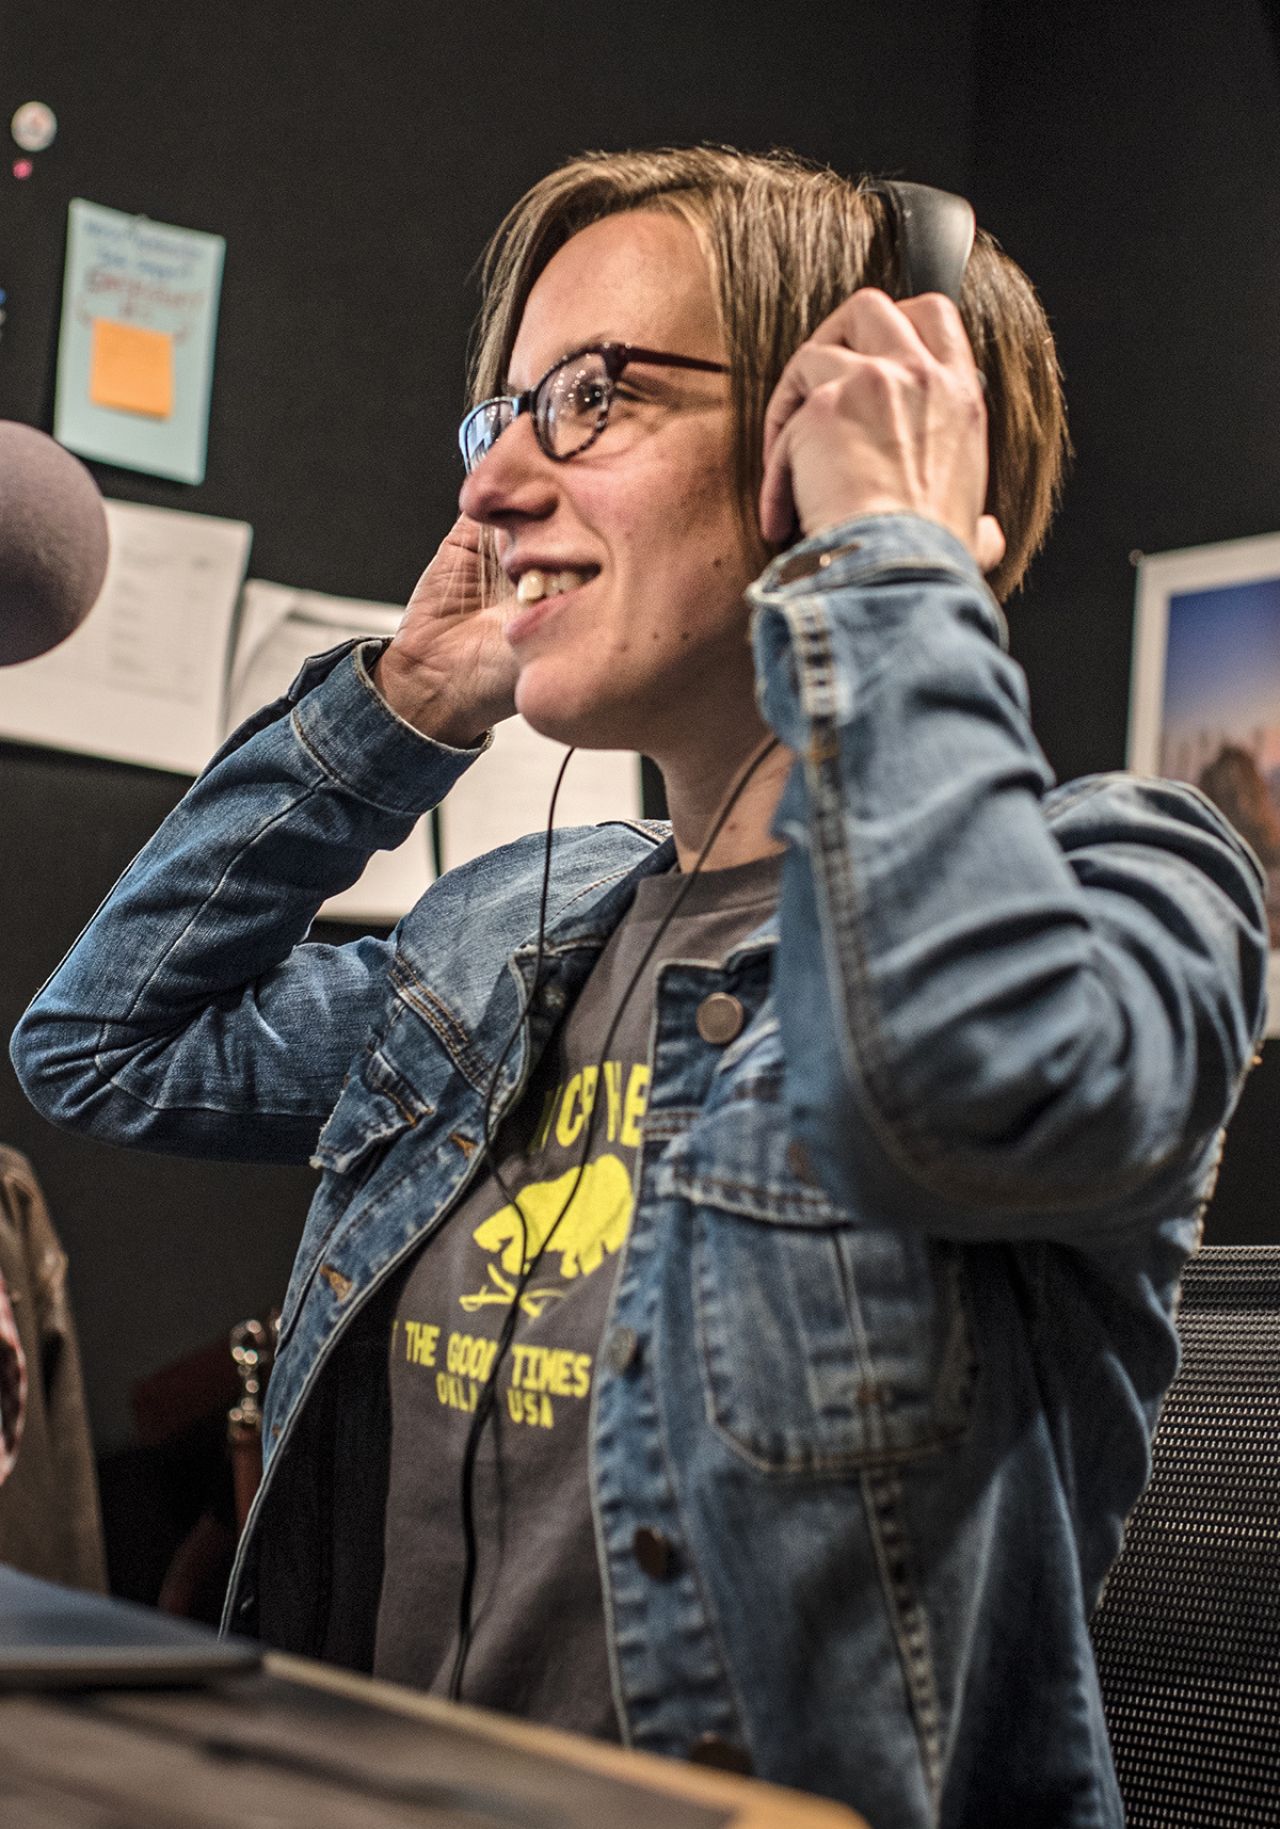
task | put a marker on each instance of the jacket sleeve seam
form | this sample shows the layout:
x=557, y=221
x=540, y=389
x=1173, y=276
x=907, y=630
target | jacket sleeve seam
x=203, y=906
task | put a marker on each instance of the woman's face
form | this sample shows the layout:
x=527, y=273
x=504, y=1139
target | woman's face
x=647, y=647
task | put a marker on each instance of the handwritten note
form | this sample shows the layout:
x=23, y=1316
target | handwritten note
x=135, y=354
x=132, y=368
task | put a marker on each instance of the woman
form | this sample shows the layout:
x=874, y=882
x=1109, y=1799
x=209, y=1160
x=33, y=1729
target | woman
x=765, y=1234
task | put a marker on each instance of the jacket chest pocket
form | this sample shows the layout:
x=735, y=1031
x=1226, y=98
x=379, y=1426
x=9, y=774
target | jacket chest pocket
x=827, y=1342
x=377, y=1103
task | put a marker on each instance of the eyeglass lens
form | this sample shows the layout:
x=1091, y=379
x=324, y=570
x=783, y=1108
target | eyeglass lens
x=481, y=429
x=573, y=404
x=570, y=410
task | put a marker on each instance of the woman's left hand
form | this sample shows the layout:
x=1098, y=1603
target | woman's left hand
x=881, y=411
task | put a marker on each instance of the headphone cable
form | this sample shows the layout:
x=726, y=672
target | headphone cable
x=487, y=1399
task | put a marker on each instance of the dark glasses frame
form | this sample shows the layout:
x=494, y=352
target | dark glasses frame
x=615, y=357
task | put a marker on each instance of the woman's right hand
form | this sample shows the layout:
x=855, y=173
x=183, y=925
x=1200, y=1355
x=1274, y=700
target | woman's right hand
x=448, y=670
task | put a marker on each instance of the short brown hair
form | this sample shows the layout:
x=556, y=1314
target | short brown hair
x=787, y=241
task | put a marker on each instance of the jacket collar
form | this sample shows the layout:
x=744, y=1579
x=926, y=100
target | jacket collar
x=576, y=936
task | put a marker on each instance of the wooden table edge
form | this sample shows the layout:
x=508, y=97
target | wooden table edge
x=755, y=1805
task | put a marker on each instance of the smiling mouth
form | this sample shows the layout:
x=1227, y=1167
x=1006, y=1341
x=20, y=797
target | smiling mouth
x=535, y=585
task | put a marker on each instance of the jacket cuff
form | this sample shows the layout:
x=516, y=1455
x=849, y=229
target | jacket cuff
x=828, y=613
x=354, y=737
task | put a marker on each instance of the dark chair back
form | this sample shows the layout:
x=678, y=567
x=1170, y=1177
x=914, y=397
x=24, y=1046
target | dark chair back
x=1187, y=1633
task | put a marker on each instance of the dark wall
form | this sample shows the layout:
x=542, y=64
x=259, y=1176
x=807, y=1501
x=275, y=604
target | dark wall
x=355, y=158
x=1129, y=157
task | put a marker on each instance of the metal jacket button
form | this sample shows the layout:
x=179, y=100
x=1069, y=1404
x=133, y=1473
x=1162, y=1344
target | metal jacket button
x=714, y=1750
x=720, y=1017
x=807, y=565
x=653, y=1552
x=622, y=1349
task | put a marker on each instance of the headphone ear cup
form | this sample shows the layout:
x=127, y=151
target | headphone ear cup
x=933, y=234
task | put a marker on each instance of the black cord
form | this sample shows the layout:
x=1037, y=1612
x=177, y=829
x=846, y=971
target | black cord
x=487, y=1398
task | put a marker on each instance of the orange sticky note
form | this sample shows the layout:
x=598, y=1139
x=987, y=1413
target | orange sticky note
x=131, y=369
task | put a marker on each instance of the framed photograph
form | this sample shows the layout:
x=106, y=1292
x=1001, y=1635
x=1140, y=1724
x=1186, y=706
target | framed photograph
x=1205, y=701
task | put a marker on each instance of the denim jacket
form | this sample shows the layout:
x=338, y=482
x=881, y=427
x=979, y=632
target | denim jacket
x=893, y=1321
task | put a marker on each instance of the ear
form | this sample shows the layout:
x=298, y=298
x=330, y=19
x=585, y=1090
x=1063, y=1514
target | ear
x=989, y=545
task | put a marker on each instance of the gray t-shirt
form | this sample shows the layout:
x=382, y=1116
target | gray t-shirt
x=538, y=1640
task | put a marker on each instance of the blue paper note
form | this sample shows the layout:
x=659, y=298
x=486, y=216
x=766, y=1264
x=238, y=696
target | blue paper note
x=135, y=356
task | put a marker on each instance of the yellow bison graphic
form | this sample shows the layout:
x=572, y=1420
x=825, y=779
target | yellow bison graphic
x=595, y=1224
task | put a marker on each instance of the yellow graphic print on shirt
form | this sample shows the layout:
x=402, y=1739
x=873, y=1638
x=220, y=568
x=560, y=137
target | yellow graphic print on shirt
x=595, y=1224
x=538, y=1375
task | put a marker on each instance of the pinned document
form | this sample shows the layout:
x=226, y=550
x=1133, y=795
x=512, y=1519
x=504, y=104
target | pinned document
x=135, y=354
x=143, y=678
x=279, y=628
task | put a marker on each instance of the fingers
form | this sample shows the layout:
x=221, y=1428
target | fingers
x=941, y=330
x=870, y=321
x=844, y=377
x=459, y=562
x=881, y=410
x=465, y=533
x=450, y=585
x=811, y=367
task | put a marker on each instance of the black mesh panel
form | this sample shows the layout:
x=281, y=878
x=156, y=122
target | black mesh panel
x=1187, y=1633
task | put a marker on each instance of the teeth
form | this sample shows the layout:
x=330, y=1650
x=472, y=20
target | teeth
x=535, y=585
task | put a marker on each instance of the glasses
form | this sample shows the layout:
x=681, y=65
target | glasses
x=570, y=405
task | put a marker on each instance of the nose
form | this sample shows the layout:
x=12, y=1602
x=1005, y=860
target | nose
x=515, y=481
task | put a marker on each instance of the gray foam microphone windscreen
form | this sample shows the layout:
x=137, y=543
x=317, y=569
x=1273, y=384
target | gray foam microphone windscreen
x=53, y=543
